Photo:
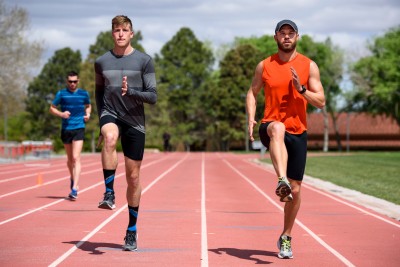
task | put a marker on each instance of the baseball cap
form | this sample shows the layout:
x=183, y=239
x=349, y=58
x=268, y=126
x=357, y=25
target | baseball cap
x=286, y=22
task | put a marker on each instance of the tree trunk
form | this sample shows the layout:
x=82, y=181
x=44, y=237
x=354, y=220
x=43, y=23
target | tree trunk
x=5, y=121
x=336, y=128
x=326, y=129
x=93, y=143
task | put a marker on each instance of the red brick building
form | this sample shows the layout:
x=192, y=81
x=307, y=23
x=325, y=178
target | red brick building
x=356, y=130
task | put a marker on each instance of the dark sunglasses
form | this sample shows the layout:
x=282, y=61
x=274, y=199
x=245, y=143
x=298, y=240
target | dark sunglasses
x=73, y=81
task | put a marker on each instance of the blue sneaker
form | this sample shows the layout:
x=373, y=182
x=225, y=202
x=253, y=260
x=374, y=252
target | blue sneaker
x=73, y=195
x=285, y=247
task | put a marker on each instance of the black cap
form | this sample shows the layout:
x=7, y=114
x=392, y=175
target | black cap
x=286, y=22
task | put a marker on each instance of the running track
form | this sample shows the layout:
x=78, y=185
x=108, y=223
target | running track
x=197, y=209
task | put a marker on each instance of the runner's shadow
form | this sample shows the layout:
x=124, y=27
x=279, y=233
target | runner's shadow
x=53, y=197
x=94, y=247
x=246, y=254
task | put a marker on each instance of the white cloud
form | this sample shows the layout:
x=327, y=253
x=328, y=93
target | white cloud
x=76, y=23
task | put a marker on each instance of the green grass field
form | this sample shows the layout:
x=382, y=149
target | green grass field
x=372, y=173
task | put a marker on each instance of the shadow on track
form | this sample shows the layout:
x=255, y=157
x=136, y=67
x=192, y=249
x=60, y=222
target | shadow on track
x=246, y=254
x=96, y=248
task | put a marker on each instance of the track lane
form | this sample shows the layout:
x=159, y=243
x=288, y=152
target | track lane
x=242, y=220
x=67, y=220
x=157, y=238
x=349, y=233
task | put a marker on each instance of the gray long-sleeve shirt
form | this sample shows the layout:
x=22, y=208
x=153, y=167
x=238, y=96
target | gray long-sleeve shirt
x=139, y=69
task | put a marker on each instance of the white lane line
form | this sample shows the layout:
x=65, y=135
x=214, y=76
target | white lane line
x=100, y=226
x=60, y=200
x=47, y=205
x=44, y=184
x=39, y=172
x=204, y=245
x=304, y=184
x=350, y=205
x=315, y=236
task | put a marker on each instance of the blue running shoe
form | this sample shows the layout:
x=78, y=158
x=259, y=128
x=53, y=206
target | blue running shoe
x=73, y=195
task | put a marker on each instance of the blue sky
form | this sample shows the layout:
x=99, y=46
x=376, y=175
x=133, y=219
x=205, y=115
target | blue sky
x=76, y=23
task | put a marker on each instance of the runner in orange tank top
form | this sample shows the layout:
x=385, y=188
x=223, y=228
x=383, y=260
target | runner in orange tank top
x=290, y=81
x=283, y=102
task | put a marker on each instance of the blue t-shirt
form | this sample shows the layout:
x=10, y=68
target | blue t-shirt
x=75, y=103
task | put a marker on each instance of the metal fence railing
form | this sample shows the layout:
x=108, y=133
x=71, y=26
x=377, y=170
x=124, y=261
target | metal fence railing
x=20, y=150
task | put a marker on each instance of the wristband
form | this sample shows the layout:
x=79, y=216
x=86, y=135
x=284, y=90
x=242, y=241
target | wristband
x=304, y=90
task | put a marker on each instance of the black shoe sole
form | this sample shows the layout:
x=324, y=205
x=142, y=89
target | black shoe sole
x=72, y=197
x=105, y=206
x=283, y=191
x=129, y=249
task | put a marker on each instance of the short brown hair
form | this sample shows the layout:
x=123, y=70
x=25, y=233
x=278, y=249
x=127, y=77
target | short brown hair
x=121, y=20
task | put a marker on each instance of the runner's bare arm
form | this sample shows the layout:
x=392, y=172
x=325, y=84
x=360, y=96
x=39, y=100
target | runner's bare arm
x=53, y=110
x=88, y=110
x=315, y=91
x=251, y=98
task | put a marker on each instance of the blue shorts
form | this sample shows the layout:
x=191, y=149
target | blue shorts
x=296, y=146
x=132, y=140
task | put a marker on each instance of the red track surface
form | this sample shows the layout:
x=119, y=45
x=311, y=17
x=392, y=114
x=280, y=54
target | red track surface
x=197, y=209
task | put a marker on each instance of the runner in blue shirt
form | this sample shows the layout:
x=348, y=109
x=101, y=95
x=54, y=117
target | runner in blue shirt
x=75, y=112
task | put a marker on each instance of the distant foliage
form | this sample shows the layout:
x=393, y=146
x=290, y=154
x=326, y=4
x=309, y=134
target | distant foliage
x=18, y=57
x=377, y=77
x=182, y=67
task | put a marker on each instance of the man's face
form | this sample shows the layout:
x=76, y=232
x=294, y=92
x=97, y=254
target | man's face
x=286, y=38
x=122, y=35
x=72, y=82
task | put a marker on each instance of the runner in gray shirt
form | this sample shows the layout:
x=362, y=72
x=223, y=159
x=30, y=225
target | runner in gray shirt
x=125, y=79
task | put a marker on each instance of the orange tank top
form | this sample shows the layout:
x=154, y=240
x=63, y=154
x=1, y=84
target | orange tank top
x=282, y=101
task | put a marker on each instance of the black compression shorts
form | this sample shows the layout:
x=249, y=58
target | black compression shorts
x=296, y=146
x=67, y=136
x=132, y=140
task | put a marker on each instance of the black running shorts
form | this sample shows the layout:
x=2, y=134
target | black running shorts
x=296, y=146
x=132, y=140
x=67, y=136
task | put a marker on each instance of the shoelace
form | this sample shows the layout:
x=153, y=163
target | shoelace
x=130, y=238
x=108, y=196
x=285, y=244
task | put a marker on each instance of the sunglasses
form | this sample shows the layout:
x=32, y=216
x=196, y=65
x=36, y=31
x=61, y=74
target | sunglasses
x=73, y=81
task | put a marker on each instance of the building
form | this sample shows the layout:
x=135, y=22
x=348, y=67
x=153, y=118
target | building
x=357, y=131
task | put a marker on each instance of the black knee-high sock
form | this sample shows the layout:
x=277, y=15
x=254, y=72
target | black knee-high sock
x=109, y=179
x=133, y=214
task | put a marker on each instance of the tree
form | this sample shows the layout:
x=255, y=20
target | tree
x=17, y=56
x=41, y=92
x=227, y=100
x=266, y=44
x=182, y=67
x=330, y=62
x=377, y=77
